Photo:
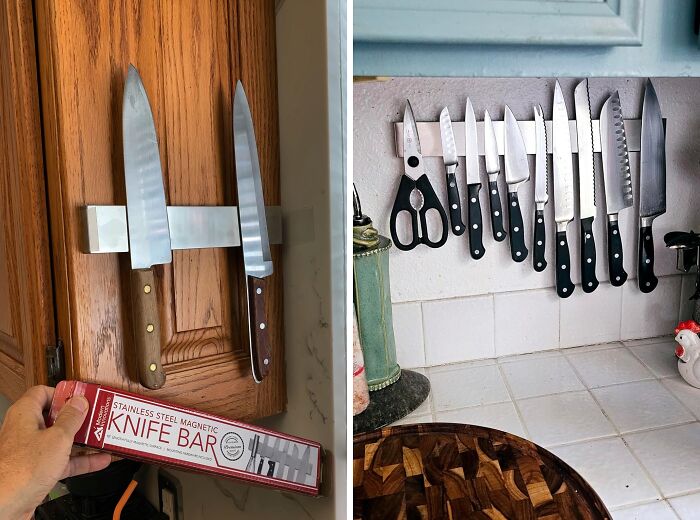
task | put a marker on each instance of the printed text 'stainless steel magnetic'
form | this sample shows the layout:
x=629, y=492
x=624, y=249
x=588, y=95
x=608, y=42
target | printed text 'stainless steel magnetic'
x=563, y=190
x=541, y=194
x=493, y=168
x=517, y=172
x=652, y=185
x=413, y=165
x=476, y=245
x=617, y=180
x=449, y=156
x=147, y=217
x=254, y=238
x=586, y=189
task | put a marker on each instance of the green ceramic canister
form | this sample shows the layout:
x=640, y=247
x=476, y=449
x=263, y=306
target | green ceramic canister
x=372, y=298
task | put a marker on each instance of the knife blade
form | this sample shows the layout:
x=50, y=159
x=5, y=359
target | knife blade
x=476, y=245
x=617, y=180
x=147, y=221
x=563, y=190
x=305, y=468
x=449, y=156
x=282, y=462
x=652, y=185
x=254, y=239
x=517, y=172
x=493, y=168
x=541, y=193
x=586, y=190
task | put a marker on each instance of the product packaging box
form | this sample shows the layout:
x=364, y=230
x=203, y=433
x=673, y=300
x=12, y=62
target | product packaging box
x=154, y=431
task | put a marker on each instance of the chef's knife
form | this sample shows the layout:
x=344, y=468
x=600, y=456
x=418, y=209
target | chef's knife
x=147, y=218
x=449, y=156
x=563, y=190
x=617, y=180
x=541, y=194
x=652, y=185
x=254, y=240
x=517, y=172
x=586, y=189
x=476, y=246
x=493, y=168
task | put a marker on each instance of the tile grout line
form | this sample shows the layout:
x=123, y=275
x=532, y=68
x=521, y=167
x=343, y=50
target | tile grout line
x=697, y=416
x=512, y=400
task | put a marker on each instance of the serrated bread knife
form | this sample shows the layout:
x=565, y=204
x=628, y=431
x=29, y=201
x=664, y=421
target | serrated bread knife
x=493, y=168
x=617, y=180
x=517, y=173
x=449, y=156
x=147, y=220
x=254, y=238
x=563, y=190
x=652, y=185
x=476, y=245
x=541, y=191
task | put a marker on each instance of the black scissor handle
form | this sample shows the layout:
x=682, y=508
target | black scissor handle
x=402, y=202
x=430, y=201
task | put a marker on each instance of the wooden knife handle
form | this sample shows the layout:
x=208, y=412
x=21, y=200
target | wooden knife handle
x=144, y=306
x=260, y=352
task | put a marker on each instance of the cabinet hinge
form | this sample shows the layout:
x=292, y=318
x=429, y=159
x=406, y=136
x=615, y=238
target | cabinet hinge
x=55, y=364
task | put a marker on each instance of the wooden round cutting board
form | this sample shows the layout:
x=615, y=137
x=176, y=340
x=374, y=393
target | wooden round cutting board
x=453, y=471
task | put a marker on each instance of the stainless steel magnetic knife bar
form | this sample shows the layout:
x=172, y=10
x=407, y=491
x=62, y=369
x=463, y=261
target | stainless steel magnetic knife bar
x=431, y=146
x=191, y=227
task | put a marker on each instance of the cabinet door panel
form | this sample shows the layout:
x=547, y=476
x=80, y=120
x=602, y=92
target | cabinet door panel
x=189, y=56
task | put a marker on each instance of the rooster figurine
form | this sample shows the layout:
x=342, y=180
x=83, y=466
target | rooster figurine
x=688, y=351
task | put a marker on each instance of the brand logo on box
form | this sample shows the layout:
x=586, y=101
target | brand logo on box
x=98, y=432
x=232, y=446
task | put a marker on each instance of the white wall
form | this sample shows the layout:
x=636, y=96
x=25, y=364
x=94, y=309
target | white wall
x=449, y=307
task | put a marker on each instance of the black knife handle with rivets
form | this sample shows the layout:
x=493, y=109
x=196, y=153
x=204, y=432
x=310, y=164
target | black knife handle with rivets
x=455, y=206
x=499, y=232
x=518, y=251
x=589, y=282
x=476, y=245
x=538, y=246
x=564, y=285
x=618, y=276
x=645, y=269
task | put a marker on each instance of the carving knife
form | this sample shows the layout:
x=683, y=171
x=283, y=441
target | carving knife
x=563, y=190
x=652, y=185
x=541, y=194
x=617, y=180
x=517, y=172
x=476, y=245
x=147, y=220
x=493, y=168
x=449, y=156
x=586, y=189
x=254, y=240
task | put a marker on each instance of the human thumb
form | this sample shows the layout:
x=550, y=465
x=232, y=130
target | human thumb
x=71, y=417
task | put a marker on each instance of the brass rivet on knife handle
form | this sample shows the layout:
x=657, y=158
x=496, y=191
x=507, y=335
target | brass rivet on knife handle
x=261, y=353
x=144, y=303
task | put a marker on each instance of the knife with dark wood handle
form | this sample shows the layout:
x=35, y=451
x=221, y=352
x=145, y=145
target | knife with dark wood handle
x=258, y=326
x=144, y=306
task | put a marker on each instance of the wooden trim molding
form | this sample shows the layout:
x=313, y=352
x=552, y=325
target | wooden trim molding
x=499, y=22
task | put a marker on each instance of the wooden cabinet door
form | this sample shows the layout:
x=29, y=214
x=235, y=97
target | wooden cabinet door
x=189, y=55
x=26, y=305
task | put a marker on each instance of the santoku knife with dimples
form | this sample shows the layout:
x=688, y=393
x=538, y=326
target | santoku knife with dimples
x=617, y=180
x=476, y=245
x=493, y=168
x=541, y=193
x=449, y=157
x=562, y=163
x=257, y=259
x=517, y=173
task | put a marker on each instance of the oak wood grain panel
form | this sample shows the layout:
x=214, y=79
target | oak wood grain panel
x=5, y=306
x=12, y=377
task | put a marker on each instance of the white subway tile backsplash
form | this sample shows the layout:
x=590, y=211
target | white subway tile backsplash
x=591, y=318
x=458, y=330
x=408, y=334
x=526, y=321
x=652, y=314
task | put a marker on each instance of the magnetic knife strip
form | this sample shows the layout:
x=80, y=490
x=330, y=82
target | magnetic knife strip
x=191, y=227
x=431, y=145
x=284, y=459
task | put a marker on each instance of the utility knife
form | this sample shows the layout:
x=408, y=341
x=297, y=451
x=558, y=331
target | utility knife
x=147, y=221
x=254, y=238
x=517, y=173
x=493, y=168
x=617, y=180
x=449, y=156
x=541, y=193
x=476, y=245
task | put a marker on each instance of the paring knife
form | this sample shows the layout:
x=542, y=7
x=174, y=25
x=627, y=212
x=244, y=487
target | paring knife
x=617, y=179
x=254, y=239
x=541, y=193
x=652, y=185
x=147, y=218
x=493, y=168
x=586, y=189
x=563, y=190
x=517, y=172
x=449, y=156
x=476, y=245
